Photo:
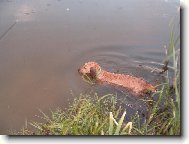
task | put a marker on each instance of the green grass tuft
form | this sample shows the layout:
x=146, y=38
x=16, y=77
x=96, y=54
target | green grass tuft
x=86, y=116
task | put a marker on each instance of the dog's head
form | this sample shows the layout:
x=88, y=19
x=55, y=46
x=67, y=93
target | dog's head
x=90, y=68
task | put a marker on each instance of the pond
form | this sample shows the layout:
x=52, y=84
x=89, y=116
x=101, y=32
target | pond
x=44, y=42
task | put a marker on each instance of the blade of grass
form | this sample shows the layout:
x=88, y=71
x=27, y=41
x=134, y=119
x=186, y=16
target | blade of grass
x=120, y=124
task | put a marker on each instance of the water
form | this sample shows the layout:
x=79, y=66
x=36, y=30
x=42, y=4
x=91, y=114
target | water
x=44, y=42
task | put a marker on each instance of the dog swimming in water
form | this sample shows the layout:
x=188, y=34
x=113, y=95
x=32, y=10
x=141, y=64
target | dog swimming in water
x=136, y=85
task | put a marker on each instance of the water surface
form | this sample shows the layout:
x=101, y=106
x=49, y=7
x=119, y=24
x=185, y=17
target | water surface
x=44, y=42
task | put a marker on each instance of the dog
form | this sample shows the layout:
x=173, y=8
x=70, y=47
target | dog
x=137, y=86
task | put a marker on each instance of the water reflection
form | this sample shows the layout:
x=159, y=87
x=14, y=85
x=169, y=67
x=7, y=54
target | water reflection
x=24, y=13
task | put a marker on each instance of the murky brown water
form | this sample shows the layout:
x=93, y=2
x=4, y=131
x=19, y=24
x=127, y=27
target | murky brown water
x=43, y=43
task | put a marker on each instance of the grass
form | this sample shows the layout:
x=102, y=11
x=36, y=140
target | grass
x=86, y=116
x=164, y=117
x=104, y=115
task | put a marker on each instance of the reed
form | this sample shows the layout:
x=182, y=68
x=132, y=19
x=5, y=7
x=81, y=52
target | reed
x=164, y=117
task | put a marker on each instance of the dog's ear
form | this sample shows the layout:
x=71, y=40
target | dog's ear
x=93, y=72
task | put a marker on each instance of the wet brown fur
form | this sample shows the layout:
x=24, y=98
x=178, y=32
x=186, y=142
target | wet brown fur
x=136, y=85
